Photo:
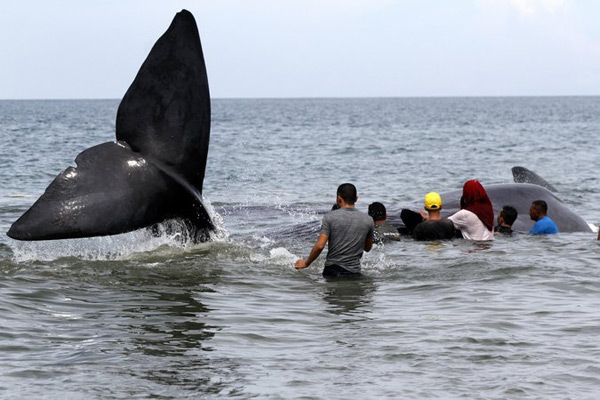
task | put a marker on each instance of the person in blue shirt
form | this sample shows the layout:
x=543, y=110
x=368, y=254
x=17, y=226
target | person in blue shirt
x=543, y=224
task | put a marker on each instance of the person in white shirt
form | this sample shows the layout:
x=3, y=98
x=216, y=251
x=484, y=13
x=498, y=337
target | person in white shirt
x=475, y=220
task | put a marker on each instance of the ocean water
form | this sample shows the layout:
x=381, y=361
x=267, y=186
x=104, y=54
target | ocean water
x=137, y=316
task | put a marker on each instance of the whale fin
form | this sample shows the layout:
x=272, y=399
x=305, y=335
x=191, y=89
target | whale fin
x=523, y=175
x=155, y=171
x=165, y=113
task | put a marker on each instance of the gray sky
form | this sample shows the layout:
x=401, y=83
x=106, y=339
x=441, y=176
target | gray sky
x=309, y=48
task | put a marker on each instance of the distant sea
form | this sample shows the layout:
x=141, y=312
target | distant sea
x=136, y=316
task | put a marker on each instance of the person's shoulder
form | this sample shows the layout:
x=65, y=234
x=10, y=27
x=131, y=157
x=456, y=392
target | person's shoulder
x=503, y=230
x=367, y=218
x=446, y=222
x=335, y=212
x=460, y=214
x=547, y=221
x=331, y=215
x=552, y=227
x=360, y=214
x=387, y=228
x=434, y=230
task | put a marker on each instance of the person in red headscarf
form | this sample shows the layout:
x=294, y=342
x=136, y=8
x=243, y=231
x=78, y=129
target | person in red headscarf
x=475, y=219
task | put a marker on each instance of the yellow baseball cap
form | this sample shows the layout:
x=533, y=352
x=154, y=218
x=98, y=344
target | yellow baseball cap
x=433, y=201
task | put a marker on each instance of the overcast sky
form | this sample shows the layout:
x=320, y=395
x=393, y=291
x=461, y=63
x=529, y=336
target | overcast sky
x=309, y=48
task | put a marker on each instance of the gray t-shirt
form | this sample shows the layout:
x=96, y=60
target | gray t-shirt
x=347, y=230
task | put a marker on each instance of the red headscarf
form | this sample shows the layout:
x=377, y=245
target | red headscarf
x=476, y=200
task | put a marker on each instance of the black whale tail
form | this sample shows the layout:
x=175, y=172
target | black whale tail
x=155, y=170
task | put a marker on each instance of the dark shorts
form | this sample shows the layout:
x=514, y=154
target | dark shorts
x=335, y=271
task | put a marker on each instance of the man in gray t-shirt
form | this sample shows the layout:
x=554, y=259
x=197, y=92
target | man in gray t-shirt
x=349, y=233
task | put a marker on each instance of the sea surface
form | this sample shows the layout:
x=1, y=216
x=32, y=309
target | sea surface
x=137, y=316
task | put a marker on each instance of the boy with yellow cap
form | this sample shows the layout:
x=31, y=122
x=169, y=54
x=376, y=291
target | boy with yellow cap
x=434, y=227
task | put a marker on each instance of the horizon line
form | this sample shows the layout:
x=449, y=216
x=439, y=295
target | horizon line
x=320, y=97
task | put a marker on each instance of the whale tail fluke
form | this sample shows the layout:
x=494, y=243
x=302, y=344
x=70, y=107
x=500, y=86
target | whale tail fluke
x=155, y=170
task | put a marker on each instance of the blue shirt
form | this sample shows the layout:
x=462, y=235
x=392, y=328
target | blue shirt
x=544, y=226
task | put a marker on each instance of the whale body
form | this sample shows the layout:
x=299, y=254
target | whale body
x=155, y=169
x=518, y=195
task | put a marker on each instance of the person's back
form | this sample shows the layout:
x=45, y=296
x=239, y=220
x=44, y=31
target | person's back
x=348, y=232
x=347, y=229
x=434, y=229
x=506, y=218
x=475, y=219
x=386, y=232
x=471, y=226
x=383, y=231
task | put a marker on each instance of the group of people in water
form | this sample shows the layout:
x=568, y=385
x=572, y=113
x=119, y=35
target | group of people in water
x=348, y=232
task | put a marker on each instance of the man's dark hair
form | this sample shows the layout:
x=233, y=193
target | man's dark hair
x=509, y=214
x=377, y=211
x=541, y=206
x=347, y=191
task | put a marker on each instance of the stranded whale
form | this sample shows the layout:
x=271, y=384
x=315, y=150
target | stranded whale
x=155, y=170
x=518, y=195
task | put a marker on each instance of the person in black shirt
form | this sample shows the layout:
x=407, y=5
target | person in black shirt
x=434, y=227
x=506, y=217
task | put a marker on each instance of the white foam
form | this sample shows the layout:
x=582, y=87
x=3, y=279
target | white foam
x=281, y=255
x=172, y=234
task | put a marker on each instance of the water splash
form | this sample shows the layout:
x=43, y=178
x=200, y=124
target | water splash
x=174, y=234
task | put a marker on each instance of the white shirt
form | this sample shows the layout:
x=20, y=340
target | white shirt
x=471, y=226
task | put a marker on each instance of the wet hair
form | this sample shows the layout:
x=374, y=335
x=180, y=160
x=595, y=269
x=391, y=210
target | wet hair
x=540, y=206
x=509, y=214
x=377, y=211
x=347, y=191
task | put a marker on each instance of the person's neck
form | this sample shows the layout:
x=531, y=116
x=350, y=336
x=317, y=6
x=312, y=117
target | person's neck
x=505, y=225
x=380, y=222
x=540, y=217
x=435, y=216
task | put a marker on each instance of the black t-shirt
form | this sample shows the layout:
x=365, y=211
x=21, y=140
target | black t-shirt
x=503, y=230
x=434, y=230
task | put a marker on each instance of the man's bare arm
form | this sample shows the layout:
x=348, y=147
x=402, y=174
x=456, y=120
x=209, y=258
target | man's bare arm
x=368, y=244
x=314, y=253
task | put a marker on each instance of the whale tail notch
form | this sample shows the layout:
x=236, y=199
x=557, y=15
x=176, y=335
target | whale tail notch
x=155, y=169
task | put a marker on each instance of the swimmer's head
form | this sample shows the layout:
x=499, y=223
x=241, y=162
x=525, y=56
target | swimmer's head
x=377, y=211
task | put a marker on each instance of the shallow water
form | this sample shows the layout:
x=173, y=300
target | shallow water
x=145, y=317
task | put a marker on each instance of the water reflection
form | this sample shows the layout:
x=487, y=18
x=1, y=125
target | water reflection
x=169, y=341
x=170, y=325
x=348, y=296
